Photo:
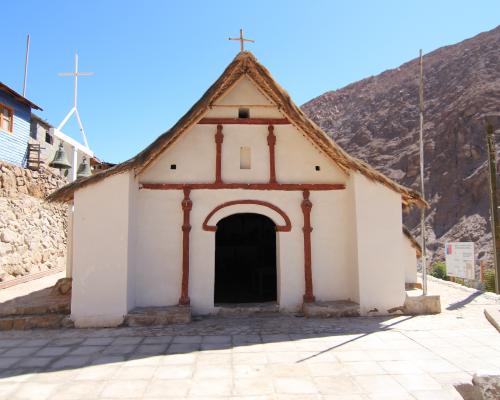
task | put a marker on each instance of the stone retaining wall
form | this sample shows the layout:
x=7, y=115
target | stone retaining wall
x=32, y=232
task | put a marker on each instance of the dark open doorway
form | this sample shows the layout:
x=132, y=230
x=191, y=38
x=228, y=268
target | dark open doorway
x=245, y=259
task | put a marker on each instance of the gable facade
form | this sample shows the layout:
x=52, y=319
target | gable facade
x=152, y=231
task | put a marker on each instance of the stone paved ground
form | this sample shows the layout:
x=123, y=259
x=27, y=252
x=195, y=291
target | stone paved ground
x=267, y=357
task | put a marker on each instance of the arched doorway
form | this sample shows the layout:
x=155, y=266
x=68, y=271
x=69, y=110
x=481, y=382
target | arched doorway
x=245, y=259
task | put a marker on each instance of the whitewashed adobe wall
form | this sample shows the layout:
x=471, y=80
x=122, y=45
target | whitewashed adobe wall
x=159, y=244
x=194, y=158
x=410, y=261
x=381, y=271
x=194, y=152
x=101, y=229
x=128, y=242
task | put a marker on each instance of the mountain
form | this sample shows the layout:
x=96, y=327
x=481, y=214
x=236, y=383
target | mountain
x=377, y=120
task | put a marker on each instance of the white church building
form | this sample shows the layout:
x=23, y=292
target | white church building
x=244, y=200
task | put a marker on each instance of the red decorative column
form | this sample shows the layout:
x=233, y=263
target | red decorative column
x=307, y=229
x=271, y=141
x=187, y=205
x=219, y=138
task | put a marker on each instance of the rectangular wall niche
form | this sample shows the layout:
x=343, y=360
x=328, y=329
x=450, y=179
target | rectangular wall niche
x=245, y=157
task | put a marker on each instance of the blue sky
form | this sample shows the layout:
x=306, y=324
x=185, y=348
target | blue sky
x=153, y=59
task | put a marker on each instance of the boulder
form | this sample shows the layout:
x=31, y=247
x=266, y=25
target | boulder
x=5, y=248
x=8, y=236
x=418, y=305
x=487, y=384
x=18, y=171
x=62, y=286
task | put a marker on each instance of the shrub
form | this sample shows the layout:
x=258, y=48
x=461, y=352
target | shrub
x=439, y=270
x=489, y=279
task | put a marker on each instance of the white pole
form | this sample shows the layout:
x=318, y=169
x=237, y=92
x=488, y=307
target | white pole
x=422, y=211
x=76, y=78
x=74, y=110
x=81, y=128
x=66, y=118
x=26, y=64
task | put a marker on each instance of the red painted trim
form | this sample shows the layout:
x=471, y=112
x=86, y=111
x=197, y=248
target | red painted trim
x=307, y=229
x=271, y=142
x=187, y=205
x=248, y=186
x=219, y=138
x=244, y=121
x=280, y=228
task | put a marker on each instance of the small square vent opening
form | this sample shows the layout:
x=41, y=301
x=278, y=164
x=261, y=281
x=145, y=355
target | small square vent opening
x=173, y=166
x=243, y=113
x=317, y=168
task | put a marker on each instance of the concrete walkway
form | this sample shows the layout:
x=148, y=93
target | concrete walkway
x=274, y=357
x=26, y=288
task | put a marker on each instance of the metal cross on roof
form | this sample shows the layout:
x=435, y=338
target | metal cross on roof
x=242, y=40
x=74, y=110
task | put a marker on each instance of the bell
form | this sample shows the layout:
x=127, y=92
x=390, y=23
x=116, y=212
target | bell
x=60, y=160
x=84, y=169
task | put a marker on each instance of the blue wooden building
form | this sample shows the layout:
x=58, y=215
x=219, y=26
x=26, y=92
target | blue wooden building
x=15, y=120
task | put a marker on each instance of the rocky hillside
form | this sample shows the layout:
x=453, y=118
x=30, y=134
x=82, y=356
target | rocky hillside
x=376, y=119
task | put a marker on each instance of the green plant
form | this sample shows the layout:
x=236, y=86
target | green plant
x=460, y=281
x=489, y=279
x=439, y=270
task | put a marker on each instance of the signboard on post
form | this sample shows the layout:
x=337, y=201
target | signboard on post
x=460, y=259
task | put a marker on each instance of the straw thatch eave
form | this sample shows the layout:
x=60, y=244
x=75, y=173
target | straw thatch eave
x=413, y=241
x=244, y=64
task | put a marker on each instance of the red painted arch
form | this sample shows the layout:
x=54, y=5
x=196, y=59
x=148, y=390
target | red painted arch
x=279, y=228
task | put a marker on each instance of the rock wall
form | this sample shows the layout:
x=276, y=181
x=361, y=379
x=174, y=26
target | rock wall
x=32, y=232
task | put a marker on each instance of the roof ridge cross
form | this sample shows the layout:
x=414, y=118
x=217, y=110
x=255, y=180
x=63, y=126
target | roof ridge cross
x=242, y=40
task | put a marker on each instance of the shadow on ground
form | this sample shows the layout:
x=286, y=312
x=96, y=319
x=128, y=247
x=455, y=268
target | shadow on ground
x=47, y=351
x=38, y=302
x=468, y=391
x=462, y=303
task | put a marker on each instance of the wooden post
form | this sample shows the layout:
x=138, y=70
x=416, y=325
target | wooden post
x=187, y=205
x=495, y=226
x=271, y=142
x=307, y=229
x=219, y=138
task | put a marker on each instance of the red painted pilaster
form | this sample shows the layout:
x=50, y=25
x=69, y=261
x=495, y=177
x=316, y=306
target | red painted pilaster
x=271, y=141
x=307, y=229
x=187, y=205
x=219, y=138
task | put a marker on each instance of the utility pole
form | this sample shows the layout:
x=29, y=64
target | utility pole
x=26, y=64
x=495, y=223
x=422, y=210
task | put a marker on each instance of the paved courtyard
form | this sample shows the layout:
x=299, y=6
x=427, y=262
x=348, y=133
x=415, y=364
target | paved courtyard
x=267, y=357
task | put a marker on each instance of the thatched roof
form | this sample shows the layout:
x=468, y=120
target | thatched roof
x=244, y=64
x=413, y=241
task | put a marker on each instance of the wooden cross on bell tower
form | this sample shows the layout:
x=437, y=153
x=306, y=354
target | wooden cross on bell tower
x=242, y=40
